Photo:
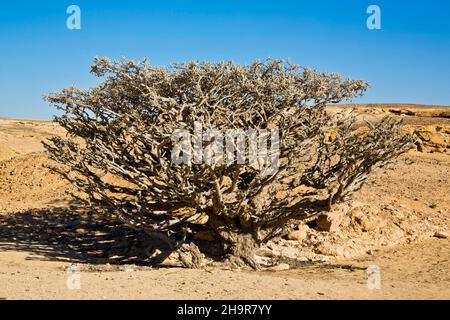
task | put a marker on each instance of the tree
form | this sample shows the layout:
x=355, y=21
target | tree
x=120, y=148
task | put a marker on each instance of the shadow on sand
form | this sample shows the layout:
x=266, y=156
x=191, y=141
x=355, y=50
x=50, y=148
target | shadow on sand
x=78, y=236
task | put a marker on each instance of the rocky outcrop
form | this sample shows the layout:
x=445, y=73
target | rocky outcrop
x=431, y=139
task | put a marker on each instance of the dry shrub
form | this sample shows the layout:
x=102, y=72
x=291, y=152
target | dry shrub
x=119, y=147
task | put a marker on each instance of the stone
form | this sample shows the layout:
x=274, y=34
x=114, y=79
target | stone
x=173, y=259
x=265, y=252
x=327, y=249
x=300, y=234
x=290, y=252
x=441, y=234
x=263, y=261
x=432, y=139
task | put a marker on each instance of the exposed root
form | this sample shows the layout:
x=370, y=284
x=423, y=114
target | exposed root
x=243, y=252
x=190, y=256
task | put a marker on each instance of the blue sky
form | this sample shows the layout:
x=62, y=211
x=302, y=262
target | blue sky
x=407, y=61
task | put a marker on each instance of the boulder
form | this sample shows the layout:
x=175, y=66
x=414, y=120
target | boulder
x=263, y=261
x=266, y=252
x=300, y=234
x=432, y=139
x=327, y=249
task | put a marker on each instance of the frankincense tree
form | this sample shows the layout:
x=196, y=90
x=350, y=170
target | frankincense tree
x=120, y=148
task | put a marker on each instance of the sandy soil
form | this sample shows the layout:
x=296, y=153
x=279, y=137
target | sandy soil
x=37, y=247
x=407, y=272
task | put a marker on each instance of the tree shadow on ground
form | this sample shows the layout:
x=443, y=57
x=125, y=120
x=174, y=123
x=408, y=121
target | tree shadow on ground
x=78, y=236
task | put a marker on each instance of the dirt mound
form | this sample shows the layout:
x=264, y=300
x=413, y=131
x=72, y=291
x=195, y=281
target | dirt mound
x=351, y=232
x=26, y=182
x=21, y=137
x=405, y=204
x=7, y=152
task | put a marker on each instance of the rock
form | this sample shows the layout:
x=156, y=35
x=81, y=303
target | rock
x=364, y=218
x=263, y=261
x=173, y=259
x=280, y=267
x=441, y=234
x=432, y=139
x=365, y=223
x=265, y=252
x=205, y=236
x=299, y=234
x=327, y=249
x=190, y=256
x=290, y=252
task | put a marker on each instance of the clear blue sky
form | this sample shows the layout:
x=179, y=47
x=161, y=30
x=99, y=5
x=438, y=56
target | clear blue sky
x=407, y=61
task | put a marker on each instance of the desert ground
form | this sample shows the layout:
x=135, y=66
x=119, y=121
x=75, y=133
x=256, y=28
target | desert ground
x=398, y=222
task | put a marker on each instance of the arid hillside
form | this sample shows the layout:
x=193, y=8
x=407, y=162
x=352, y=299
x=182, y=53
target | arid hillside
x=399, y=222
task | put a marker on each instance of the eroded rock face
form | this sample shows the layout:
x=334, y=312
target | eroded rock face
x=331, y=221
x=431, y=139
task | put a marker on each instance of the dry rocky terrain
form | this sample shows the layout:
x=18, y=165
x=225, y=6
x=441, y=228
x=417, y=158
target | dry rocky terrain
x=399, y=222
